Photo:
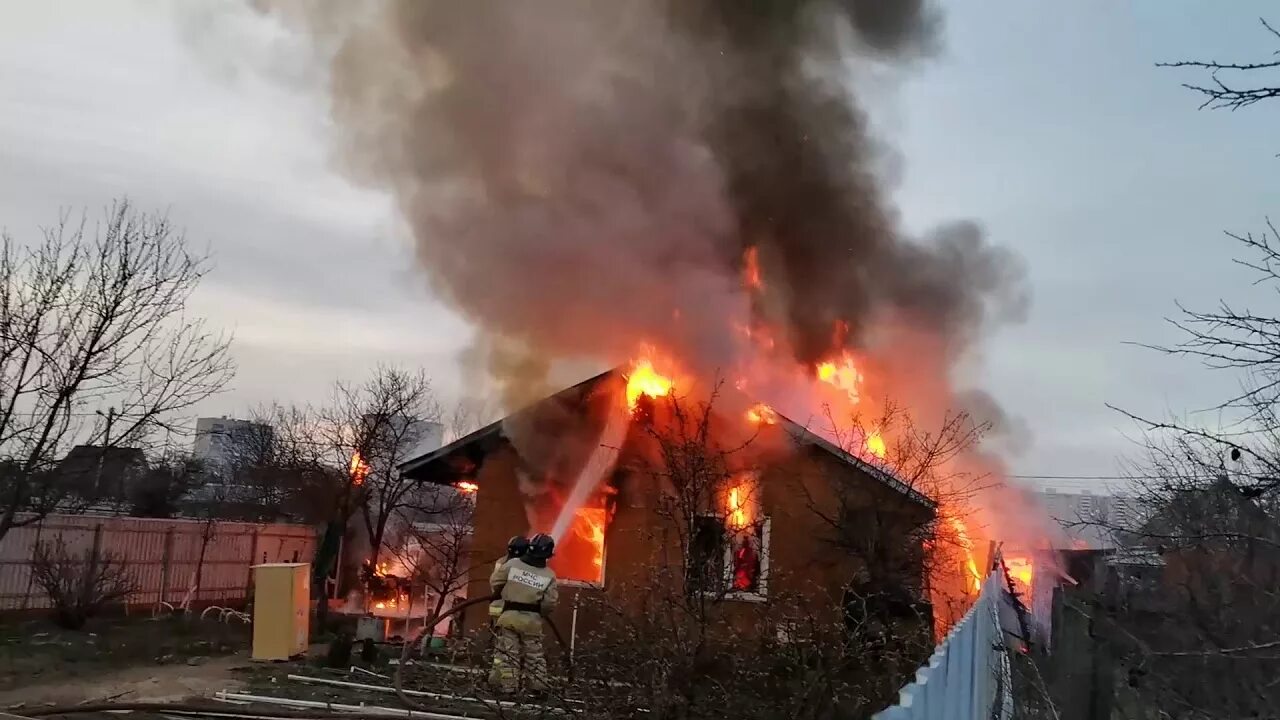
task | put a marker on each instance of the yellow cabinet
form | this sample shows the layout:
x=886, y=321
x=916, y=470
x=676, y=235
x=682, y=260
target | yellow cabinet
x=281, y=610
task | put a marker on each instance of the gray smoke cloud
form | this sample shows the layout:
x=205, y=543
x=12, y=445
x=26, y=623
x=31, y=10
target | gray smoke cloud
x=582, y=175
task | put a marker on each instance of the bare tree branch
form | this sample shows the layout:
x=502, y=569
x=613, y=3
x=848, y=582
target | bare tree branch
x=1221, y=95
x=89, y=320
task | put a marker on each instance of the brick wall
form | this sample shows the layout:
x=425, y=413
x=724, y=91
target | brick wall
x=796, y=492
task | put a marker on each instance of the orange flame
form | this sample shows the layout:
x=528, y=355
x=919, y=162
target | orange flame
x=761, y=414
x=388, y=604
x=359, y=469
x=737, y=516
x=590, y=524
x=581, y=555
x=738, y=503
x=966, y=545
x=876, y=446
x=644, y=380
x=1021, y=570
x=465, y=486
x=843, y=374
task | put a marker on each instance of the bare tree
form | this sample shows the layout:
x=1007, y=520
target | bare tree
x=89, y=318
x=295, y=462
x=80, y=587
x=377, y=425
x=1187, y=607
x=1243, y=341
x=279, y=467
x=1224, y=92
x=436, y=547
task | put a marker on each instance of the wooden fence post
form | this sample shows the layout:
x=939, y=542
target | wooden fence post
x=93, y=560
x=31, y=559
x=166, y=560
x=248, y=579
x=95, y=554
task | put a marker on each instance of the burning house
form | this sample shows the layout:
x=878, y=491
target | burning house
x=583, y=181
x=796, y=522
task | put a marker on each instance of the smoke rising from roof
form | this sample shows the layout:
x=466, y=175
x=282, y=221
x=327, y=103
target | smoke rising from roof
x=580, y=175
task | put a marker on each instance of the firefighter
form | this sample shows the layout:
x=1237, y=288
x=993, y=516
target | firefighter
x=528, y=591
x=516, y=547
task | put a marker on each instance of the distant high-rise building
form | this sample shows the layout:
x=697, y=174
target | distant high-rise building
x=221, y=441
x=1088, y=517
x=430, y=437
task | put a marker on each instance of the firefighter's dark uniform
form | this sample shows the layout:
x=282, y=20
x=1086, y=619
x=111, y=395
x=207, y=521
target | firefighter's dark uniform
x=527, y=591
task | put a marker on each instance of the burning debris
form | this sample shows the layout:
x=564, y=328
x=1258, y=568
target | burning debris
x=761, y=414
x=382, y=590
x=1022, y=570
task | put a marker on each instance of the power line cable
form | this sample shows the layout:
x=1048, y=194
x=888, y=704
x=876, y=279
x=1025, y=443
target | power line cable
x=1087, y=477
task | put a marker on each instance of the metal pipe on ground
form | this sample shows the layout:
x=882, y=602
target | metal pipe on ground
x=423, y=693
x=370, y=710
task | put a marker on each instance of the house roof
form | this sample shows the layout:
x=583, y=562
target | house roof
x=86, y=458
x=93, y=468
x=485, y=437
x=481, y=441
x=807, y=437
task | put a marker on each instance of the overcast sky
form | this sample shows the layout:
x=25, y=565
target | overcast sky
x=1048, y=123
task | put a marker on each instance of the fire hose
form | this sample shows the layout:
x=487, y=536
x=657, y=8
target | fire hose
x=397, y=678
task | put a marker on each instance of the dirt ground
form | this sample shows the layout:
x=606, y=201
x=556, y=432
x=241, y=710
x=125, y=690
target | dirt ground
x=137, y=684
x=173, y=659
x=122, y=659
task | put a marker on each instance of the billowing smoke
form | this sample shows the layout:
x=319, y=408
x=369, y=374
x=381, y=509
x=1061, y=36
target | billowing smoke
x=580, y=176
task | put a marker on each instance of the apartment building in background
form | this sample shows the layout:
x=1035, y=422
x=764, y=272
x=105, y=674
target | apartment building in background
x=219, y=441
x=1090, y=515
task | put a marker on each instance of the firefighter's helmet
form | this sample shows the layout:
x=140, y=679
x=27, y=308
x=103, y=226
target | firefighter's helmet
x=517, y=546
x=541, y=547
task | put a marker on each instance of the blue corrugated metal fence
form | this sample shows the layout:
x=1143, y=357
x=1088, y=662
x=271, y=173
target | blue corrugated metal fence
x=967, y=677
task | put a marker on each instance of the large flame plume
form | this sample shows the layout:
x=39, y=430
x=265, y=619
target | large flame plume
x=644, y=381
